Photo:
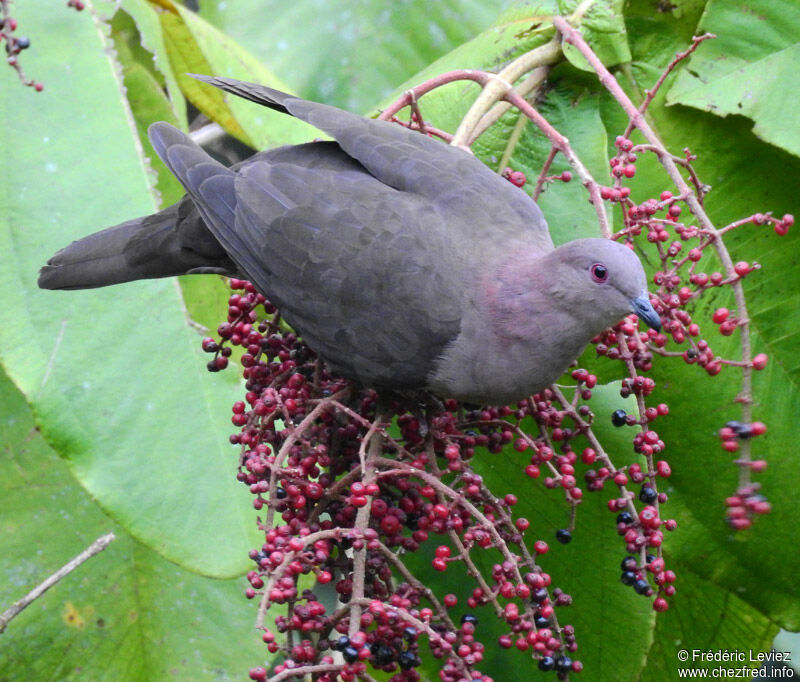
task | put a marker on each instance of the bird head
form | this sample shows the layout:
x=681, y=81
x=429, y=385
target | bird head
x=602, y=281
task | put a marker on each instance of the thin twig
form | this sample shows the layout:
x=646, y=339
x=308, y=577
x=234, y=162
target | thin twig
x=14, y=610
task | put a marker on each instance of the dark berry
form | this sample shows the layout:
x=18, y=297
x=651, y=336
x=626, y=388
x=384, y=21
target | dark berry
x=648, y=495
x=628, y=578
x=547, y=663
x=625, y=518
x=563, y=536
x=469, y=618
x=564, y=664
x=382, y=654
x=539, y=595
x=643, y=587
x=407, y=660
x=350, y=654
x=619, y=418
x=629, y=563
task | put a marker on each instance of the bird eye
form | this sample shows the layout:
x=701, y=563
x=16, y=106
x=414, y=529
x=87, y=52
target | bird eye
x=599, y=273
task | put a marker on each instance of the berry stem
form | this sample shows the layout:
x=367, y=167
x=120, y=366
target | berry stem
x=638, y=120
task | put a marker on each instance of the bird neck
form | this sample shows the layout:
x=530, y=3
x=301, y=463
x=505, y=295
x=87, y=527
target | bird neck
x=519, y=289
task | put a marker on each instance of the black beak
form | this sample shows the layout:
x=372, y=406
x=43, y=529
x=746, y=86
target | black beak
x=644, y=310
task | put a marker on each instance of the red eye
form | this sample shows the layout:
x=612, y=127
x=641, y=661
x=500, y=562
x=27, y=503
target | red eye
x=599, y=272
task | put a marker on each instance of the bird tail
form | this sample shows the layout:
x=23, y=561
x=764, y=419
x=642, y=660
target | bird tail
x=144, y=248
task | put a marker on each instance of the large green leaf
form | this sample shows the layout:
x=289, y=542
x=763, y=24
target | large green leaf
x=750, y=69
x=350, y=54
x=195, y=46
x=602, y=24
x=127, y=613
x=115, y=377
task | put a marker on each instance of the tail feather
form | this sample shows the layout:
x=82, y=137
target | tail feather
x=160, y=245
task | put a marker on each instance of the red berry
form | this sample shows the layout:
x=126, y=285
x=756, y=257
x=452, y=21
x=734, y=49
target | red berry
x=720, y=315
x=730, y=445
x=760, y=361
x=742, y=268
x=660, y=604
x=517, y=178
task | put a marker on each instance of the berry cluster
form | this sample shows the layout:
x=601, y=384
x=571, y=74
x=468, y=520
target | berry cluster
x=681, y=249
x=16, y=44
x=747, y=502
x=343, y=500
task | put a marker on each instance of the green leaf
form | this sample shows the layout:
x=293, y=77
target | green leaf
x=115, y=376
x=145, y=94
x=603, y=28
x=126, y=613
x=350, y=54
x=152, y=53
x=706, y=618
x=195, y=46
x=750, y=69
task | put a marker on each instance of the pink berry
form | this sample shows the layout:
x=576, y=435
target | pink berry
x=760, y=361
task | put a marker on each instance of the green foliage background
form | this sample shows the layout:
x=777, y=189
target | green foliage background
x=109, y=420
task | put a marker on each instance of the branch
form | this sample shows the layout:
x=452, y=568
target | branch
x=95, y=548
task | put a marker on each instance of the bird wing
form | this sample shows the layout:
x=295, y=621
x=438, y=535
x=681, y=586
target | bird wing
x=365, y=272
x=413, y=162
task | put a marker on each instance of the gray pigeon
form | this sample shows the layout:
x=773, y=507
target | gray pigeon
x=405, y=263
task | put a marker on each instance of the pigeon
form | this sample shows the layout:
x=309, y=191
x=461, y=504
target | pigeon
x=405, y=263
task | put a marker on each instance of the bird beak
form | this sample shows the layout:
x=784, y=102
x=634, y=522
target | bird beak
x=644, y=310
